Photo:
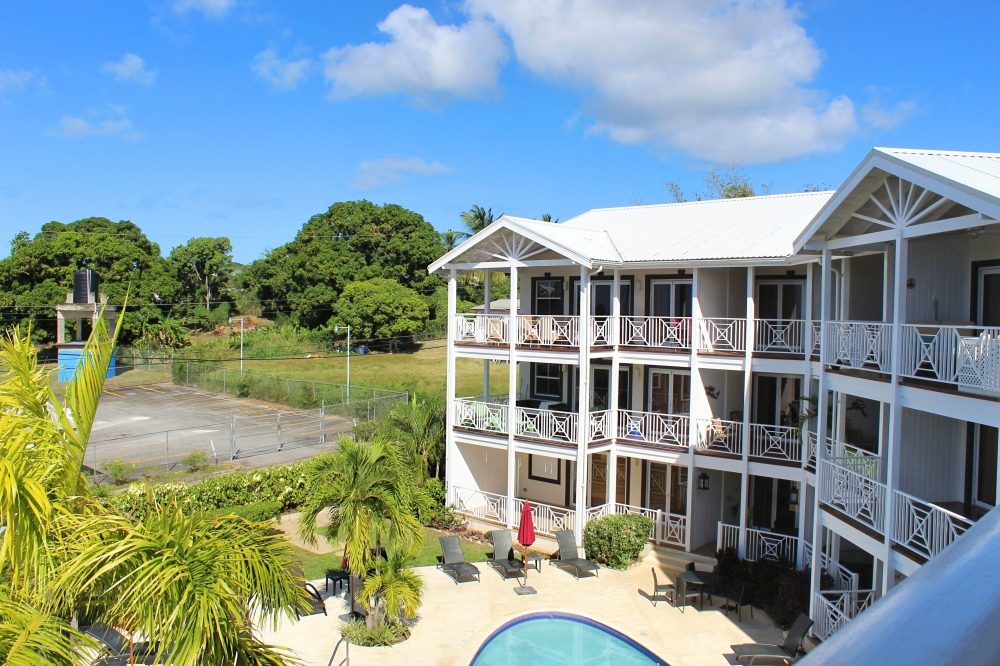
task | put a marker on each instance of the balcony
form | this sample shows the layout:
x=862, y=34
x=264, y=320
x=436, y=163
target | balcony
x=925, y=528
x=668, y=528
x=482, y=329
x=548, y=331
x=493, y=508
x=722, y=335
x=719, y=436
x=669, y=334
x=780, y=336
x=760, y=544
x=835, y=608
x=855, y=495
x=860, y=345
x=967, y=357
x=775, y=442
x=660, y=430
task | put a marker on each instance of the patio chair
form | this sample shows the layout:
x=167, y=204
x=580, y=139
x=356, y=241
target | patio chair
x=661, y=589
x=745, y=599
x=116, y=646
x=683, y=593
x=316, y=605
x=502, y=558
x=569, y=556
x=453, y=561
x=787, y=650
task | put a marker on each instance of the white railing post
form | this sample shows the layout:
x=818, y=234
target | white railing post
x=747, y=409
x=450, y=446
x=512, y=415
x=583, y=403
x=821, y=428
x=611, y=476
x=891, y=452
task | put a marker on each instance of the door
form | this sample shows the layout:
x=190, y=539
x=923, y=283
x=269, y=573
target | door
x=670, y=298
x=678, y=489
x=656, y=486
x=669, y=392
x=598, y=479
x=776, y=400
x=548, y=296
x=784, y=516
x=984, y=478
x=622, y=478
x=601, y=303
x=760, y=516
x=600, y=387
x=781, y=301
x=989, y=296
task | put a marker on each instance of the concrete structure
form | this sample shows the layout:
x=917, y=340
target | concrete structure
x=671, y=360
x=81, y=312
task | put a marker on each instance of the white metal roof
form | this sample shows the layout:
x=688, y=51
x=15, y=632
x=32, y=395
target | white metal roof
x=745, y=228
x=979, y=171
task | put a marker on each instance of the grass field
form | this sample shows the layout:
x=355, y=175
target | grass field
x=316, y=565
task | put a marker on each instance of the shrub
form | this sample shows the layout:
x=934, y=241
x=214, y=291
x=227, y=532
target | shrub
x=793, y=596
x=616, y=541
x=258, y=512
x=196, y=460
x=118, y=469
x=357, y=632
x=439, y=514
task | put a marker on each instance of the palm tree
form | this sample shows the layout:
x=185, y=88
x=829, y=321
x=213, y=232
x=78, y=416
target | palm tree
x=395, y=587
x=188, y=582
x=548, y=218
x=420, y=430
x=452, y=239
x=476, y=219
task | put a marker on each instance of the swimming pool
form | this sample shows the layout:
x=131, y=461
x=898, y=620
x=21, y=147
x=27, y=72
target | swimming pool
x=561, y=639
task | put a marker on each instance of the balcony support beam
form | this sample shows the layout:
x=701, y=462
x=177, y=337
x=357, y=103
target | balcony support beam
x=451, y=450
x=747, y=410
x=611, y=483
x=512, y=471
x=486, y=311
x=822, y=402
x=583, y=405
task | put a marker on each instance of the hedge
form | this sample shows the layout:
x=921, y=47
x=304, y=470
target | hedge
x=616, y=541
x=258, y=512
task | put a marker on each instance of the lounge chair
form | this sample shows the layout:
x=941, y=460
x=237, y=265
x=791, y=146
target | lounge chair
x=569, y=556
x=752, y=652
x=453, y=561
x=316, y=605
x=116, y=646
x=502, y=558
x=661, y=589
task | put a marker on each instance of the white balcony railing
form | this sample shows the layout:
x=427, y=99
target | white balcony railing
x=728, y=536
x=600, y=426
x=853, y=458
x=670, y=528
x=489, y=507
x=483, y=416
x=775, y=442
x=653, y=428
x=817, y=339
x=602, y=331
x=548, y=330
x=857, y=495
x=720, y=436
x=664, y=333
x=546, y=424
x=482, y=328
x=924, y=527
x=763, y=545
x=835, y=608
x=844, y=578
x=722, y=335
x=968, y=356
x=858, y=344
x=776, y=336
x=547, y=519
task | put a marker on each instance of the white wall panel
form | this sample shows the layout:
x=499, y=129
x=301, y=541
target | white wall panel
x=942, y=274
x=486, y=468
x=866, y=287
x=932, y=457
x=707, y=508
x=713, y=291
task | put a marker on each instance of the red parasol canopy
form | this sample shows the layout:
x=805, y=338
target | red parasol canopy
x=526, y=533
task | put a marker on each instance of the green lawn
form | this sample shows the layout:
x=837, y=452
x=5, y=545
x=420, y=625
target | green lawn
x=316, y=566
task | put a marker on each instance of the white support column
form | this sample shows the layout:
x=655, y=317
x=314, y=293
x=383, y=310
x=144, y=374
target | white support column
x=747, y=410
x=616, y=310
x=583, y=405
x=845, y=288
x=511, y=402
x=60, y=328
x=821, y=409
x=807, y=387
x=892, y=451
x=486, y=311
x=451, y=449
x=697, y=398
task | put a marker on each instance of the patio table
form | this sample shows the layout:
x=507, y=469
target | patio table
x=701, y=579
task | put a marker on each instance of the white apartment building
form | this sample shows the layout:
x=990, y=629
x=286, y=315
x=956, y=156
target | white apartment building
x=670, y=360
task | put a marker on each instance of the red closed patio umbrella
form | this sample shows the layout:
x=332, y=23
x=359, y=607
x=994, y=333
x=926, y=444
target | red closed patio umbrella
x=526, y=537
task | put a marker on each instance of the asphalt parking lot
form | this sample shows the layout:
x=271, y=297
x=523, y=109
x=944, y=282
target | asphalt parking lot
x=157, y=425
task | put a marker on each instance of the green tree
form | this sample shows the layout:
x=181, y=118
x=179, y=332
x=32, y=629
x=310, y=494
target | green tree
x=190, y=582
x=204, y=266
x=394, y=589
x=39, y=272
x=476, y=219
x=353, y=240
x=419, y=428
x=730, y=182
x=380, y=308
x=452, y=239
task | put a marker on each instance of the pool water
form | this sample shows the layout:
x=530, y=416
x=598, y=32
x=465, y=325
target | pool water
x=552, y=639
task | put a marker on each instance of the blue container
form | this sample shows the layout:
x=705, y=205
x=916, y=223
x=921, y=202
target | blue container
x=69, y=358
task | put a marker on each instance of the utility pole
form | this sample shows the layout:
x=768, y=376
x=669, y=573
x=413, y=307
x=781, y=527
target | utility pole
x=336, y=329
x=242, y=319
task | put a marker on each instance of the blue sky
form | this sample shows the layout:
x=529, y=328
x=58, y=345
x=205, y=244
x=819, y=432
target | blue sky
x=244, y=117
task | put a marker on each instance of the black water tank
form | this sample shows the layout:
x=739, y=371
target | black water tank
x=84, y=284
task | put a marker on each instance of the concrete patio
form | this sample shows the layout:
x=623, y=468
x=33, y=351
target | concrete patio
x=455, y=619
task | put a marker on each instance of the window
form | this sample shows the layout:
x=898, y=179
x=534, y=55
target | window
x=548, y=380
x=542, y=468
x=548, y=296
x=670, y=298
x=669, y=392
x=780, y=301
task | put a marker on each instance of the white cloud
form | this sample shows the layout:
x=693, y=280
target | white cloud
x=131, y=68
x=214, y=8
x=72, y=127
x=392, y=170
x=281, y=74
x=422, y=59
x=14, y=81
x=880, y=117
x=711, y=78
